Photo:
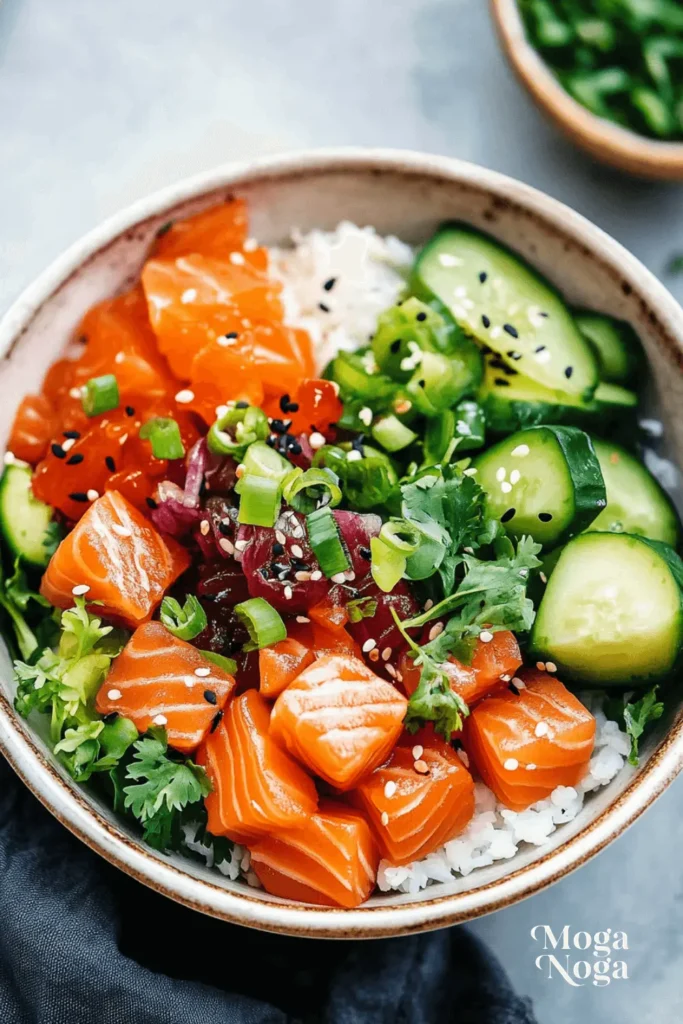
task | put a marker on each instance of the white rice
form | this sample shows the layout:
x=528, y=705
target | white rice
x=369, y=274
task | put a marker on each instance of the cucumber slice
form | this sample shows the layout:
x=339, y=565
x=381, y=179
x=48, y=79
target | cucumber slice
x=497, y=298
x=544, y=482
x=636, y=503
x=611, y=613
x=469, y=426
x=616, y=347
x=23, y=518
x=512, y=401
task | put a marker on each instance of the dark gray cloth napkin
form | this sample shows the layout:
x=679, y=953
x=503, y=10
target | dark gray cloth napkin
x=81, y=943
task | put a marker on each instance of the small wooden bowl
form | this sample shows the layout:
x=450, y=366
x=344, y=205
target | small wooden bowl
x=604, y=140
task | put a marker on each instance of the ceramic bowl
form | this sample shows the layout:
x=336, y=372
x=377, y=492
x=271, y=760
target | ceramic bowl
x=603, y=139
x=408, y=194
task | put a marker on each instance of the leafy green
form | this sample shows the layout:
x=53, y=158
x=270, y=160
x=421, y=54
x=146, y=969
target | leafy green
x=186, y=621
x=635, y=717
x=162, y=789
x=22, y=603
x=361, y=608
x=52, y=537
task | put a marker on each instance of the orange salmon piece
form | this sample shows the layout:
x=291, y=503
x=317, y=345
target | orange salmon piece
x=415, y=812
x=331, y=861
x=213, y=232
x=500, y=657
x=194, y=299
x=257, y=787
x=34, y=425
x=222, y=372
x=339, y=719
x=545, y=726
x=120, y=556
x=161, y=680
x=280, y=664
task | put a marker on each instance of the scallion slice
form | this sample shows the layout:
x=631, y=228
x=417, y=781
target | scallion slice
x=185, y=622
x=100, y=394
x=263, y=622
x=401, y=536
x=387, y=566
x=263, y=460
x=228, y=665
x=259, y=500
x=313, y=489
x=233, y=432
x=163, y=433
x=326, y=542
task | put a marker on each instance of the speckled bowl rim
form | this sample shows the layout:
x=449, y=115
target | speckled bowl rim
x=68, y=803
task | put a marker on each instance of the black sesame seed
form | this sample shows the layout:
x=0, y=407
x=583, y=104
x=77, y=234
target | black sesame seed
x=231, y=335
x=364, y=553
x=225, y=529
x=483, y=275
x=78, y=496
x=241, y=405
x=485, y=320
x=358, y=442
x=568, y=371
x=278, y=567
x=514, y=355
x=74, y=434
x=540, y=348
x=512, y=331
x=58, y=451
x=284, y=402
x=395, y=346
x=323, y=307
x=130, y=411
x=421, y=317
x=513, y=689
x=111, y=717
x=278, y=549
x=501, y=382
x=299, y=564
x=271, y=442
x=151, y=503
x=546, y=315
x=164, y=228
x=280, y=426
x=216, y=721
x=110, y=464
x=457, y=745
x=507, y=516
x=263, y=571
x=210, y=696
x=295, y=448
x=422, y=383
x=545, y=517
x=329, y=284
x=75, y=459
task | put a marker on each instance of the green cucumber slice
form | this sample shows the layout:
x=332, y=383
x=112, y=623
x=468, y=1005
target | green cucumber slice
x=611, y=613
x=23, y=518
x=636, y=503
x=506, y=305
x=616, y=347
x=544, y=482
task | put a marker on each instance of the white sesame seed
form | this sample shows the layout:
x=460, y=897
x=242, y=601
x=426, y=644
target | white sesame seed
x=386, y=653
x=250, y=245
x=544, y=578
x=389, y=789
x=226, y=342
x=541, y=729
x=521, y=450
x=515, y=476
x=446, y=260
x=123, y=439
x=75, y=392
x=316, y=575
x=288, y=593
x=531, y=767
x=399, y=676
x=119, y=357
x=485, y=636
x=392, y=671
x=519, y=683
x=338, y=577
x=436, y=630
x=240, y=545
x=369, y=645
x=92, y=494
x=68, y=444
x=316, y=440
x=550, y=666
x=80, y=589
x=297, y=551
x=184, y=396
x=511, y=764
x=122, y=531
x=460, y=292
x=496, y=332
x=349, y=575
x=189, y=295
x=421, y=767
x=428, y=604
x=540, y=665
x=160, y=720
x=469, y=472
x=365, y=415
x=417, y=752
x=384, y=818
x=354, y=456
x=302, y=576
x=505, y=487
x=114, y=694
x=505, y=678
x=403, y=406
x=226, y=545
x=202, y=672
x=302, y=618
x=189, y=681
x=462, y=754
x=280, y=537
x=501, y=473
x=204, y=527
x=297, y=532
x=237, y=258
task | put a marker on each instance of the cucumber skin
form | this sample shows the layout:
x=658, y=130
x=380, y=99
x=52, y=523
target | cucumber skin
x=634, y=357
x=590, y=496
x=31, y=553
x=503, y=417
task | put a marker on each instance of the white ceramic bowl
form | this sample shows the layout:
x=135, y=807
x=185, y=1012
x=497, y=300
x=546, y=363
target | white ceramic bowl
x=408, y=194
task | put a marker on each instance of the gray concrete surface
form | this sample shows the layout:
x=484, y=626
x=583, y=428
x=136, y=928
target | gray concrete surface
x=105, y=100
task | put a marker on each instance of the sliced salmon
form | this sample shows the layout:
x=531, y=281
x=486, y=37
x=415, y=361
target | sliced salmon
x=331, y=861
x=524, y=745
x=329, y=614
x=322, y=640
x=339, y=719
x=33, y=427
x=213, y=232
x=500, y=657
x=280, y=664
x=422, y=797
x=222, y=371
x=161, y=680
x=115, y=552
x=257, y=786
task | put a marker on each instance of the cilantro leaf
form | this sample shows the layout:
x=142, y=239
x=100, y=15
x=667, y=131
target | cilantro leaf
x=162, y=788
x=635, y=717
x=435, y=701
x=361, y=608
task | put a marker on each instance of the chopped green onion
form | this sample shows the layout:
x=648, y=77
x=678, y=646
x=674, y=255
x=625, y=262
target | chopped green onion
x=228, y=665
x=259, y=500
x=100, y=394
x=187, y=622
x=366, y=482
x=163, y=433
x=387, y=566
x=233, y=432
x=326, y=542
x=392, y=434
x=308, y=491
x=262, y=460
x=362, y=608
x=401, y=536
x=357, y=375
x=263, y=622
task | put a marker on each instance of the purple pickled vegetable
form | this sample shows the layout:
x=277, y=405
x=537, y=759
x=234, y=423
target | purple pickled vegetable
x=172, y=515
x=357, y=530
x=197, y=464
